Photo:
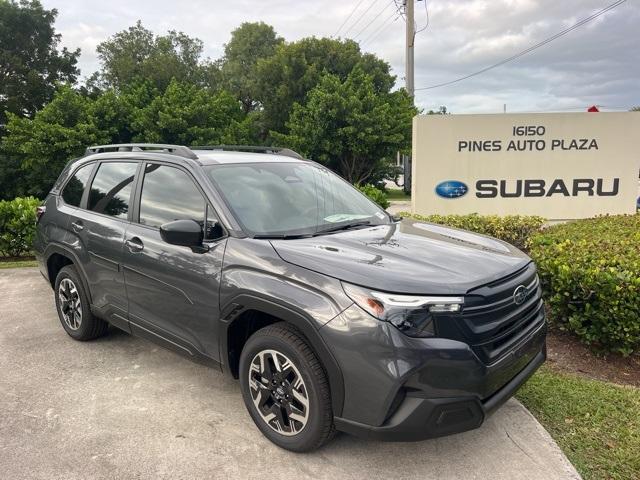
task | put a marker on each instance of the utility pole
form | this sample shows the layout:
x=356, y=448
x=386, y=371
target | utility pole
x=408, y=78
x=411, y=34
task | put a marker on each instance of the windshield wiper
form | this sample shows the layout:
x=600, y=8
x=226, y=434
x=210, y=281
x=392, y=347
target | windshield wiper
x=346, y=226
x=289, y=236
x=284, y=236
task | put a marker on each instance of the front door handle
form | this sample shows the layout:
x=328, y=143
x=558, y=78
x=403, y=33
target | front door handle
x=77, y=226
x=134, y=244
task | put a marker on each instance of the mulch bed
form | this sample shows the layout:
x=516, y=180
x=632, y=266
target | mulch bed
x=566, y=353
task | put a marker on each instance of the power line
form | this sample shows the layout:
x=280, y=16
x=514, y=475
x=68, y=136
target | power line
x=360, y=17
x=347, y=19
x=375, y=33
x=426, y=12
x=530, y=49
x=400, y=9
x=373, y=20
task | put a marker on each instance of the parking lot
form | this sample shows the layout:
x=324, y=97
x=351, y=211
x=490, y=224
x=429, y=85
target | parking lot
x=121, y=407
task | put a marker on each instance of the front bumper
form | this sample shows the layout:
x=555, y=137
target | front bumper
x=406, y=389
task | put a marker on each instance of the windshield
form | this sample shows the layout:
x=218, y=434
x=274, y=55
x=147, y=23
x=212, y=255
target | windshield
x=292, y=198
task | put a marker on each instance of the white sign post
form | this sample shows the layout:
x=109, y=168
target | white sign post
x=560, y=166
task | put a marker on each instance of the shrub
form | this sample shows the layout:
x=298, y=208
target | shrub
x=375, y=194
x=590, y=271
x=17, y=225
x=514, y=229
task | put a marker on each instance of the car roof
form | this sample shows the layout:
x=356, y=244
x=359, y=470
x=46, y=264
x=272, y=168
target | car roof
x=209, y=155
x=215, y=157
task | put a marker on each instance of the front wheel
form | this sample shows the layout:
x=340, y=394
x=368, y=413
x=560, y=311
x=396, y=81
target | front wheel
x=285, y=389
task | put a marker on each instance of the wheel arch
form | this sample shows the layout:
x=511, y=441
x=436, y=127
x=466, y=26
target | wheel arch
x=57, y=257
x=239, y=322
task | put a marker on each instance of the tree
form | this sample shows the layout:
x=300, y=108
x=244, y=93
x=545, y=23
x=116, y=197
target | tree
x=136, y=53
x=296, y=68
x=441, y=111
x=30, y=62
x=43, y=145
x=187, y=115
x=184, y=114
x=249, y=43
x=351, y=127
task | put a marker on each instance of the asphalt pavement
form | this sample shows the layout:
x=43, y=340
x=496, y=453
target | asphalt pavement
x=123, y=408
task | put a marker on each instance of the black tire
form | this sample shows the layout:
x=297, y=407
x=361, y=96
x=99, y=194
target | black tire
x=289, y=342
x=89, y=326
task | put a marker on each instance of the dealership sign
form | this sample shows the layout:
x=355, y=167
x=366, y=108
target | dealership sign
x=560, y=166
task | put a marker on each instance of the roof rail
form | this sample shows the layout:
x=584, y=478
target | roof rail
x=179, y=150
x=287, y=152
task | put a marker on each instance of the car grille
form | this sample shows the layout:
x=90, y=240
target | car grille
x=491, y=322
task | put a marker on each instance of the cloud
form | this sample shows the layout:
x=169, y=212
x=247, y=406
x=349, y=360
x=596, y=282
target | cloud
x=599, y=63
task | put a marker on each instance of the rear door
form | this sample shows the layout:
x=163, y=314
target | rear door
x=100, y=226
x=173, y=291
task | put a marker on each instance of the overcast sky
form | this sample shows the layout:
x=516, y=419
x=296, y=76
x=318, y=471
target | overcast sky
x=598, y=63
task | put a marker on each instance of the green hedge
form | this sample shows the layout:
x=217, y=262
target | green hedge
x=17, y=226
x=590, y=271
x=375, y=194
x=514, y=229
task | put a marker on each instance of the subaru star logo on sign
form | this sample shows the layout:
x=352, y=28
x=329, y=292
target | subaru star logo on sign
x=451, y=189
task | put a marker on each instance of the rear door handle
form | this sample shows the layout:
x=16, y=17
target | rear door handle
x=77, y=226
x=134, y=244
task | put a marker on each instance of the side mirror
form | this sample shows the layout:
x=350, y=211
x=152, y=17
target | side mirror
x=187, y=233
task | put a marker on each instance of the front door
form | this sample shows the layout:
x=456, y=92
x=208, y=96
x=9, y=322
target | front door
x=172, y=290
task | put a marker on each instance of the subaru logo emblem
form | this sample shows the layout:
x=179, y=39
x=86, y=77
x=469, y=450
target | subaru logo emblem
x=520, y=295
x=451, y=189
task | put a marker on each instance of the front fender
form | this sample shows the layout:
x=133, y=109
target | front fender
x=255, y=278
x=289, y=314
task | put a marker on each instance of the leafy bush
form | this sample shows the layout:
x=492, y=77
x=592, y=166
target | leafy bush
x=590, y=271
x=17, y=225
x=375, y=194
x=514, y=229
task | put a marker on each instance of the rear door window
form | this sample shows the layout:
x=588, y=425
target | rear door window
x=73, y=190
x=110, y=192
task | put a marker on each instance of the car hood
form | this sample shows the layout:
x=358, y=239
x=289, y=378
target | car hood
x=406, y=257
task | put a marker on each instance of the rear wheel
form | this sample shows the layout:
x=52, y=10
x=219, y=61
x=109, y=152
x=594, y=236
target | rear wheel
x=285, y=389
x=72, y=304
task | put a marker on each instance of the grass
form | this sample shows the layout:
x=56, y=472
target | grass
x=596, y=424
x=17, y=262
x=397, y=194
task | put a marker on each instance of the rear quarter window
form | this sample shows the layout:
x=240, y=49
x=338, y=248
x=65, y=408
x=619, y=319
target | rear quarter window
x=73, y=190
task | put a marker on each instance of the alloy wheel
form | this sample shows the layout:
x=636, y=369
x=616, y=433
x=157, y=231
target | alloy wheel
x=278, y=392
x=70, y=305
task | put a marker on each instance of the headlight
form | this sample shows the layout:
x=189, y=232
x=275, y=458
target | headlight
x=412, y=314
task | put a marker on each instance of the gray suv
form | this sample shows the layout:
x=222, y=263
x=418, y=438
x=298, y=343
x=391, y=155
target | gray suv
x=333, y=314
